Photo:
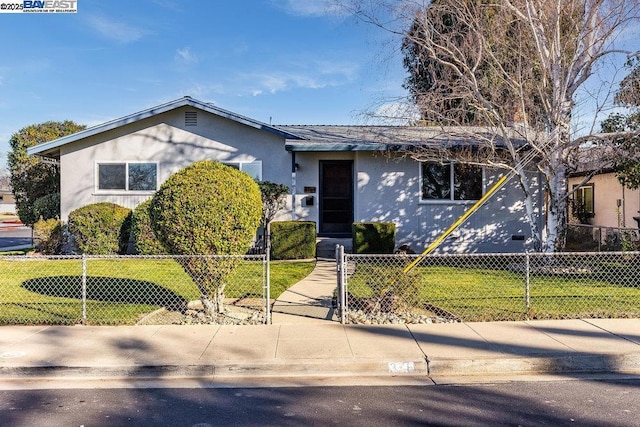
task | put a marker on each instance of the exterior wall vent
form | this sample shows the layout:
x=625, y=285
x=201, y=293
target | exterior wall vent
x=191, y=118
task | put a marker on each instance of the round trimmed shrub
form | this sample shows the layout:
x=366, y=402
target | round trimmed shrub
x=101, y=228
x=48, y=236
x=207, y=208
x=145, y=241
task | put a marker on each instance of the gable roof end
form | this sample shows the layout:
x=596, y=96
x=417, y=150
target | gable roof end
x=50, y=146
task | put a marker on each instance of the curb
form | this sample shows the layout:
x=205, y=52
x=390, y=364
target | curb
x=342, y=368
x=556, y=364
x=278, y=369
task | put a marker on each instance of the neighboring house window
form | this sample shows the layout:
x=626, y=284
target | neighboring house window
x=584, y=202
x=252, y=168
x=450, y=181
x=128, y=176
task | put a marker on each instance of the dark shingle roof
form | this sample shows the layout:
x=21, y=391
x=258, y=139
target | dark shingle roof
x=381, y=138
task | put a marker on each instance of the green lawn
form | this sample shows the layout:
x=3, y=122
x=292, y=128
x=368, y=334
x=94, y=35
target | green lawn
x=482, y=294
x=119, y=291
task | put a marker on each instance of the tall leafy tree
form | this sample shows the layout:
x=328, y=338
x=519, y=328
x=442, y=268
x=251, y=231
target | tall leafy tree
x=31, y=179
x=438, y=90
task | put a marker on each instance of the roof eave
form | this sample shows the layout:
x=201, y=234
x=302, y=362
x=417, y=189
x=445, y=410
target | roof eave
x=310, y=147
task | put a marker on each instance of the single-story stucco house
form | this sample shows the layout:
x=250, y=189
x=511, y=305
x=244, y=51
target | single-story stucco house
x=336, y=174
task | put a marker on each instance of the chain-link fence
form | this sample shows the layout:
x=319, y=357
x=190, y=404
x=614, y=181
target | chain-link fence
x=126, y=290
x=584, y=237
x=448, y=288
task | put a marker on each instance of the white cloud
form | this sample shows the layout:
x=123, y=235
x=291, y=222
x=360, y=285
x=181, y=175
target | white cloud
x=317, y=75
x=345, y=70
x=185, y=56
x=272, y=83
x=118, y=31
x=310, y=7
x=202, y=90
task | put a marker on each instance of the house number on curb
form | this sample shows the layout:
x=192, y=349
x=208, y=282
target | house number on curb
x=401, y=367
x=12, y=354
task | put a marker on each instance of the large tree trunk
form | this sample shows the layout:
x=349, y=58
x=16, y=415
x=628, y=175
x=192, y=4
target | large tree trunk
x=532, y=215
x=557, y=177
x=556, y=224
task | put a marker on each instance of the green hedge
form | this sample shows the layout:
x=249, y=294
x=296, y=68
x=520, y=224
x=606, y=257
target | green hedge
x=145, y=241
x=373, y=237
x=101, y=228
x=293, y=240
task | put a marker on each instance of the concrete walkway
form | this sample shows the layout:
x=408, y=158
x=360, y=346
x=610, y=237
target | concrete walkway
x=311, y=299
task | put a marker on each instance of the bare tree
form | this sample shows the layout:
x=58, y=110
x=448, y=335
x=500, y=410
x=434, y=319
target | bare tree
x=506, y=74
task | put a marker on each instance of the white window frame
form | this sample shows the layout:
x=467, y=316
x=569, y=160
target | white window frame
x=580, y=190
x=241, y=166
x=126, y=177
x=450, y=200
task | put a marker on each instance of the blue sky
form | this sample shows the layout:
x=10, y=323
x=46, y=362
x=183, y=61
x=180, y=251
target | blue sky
x=289, y=61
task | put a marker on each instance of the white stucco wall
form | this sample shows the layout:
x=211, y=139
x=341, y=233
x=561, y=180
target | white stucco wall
x=388, y=189
x=164, y=139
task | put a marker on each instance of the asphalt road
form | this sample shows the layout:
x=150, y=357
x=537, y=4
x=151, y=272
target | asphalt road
x=15, y=236
x=557, y=403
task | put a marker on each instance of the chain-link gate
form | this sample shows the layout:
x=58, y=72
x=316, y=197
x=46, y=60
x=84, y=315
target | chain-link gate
x=125, y=290
x=375, y=289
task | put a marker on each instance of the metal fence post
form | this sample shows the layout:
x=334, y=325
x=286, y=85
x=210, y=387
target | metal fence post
x=84, y=289
x=267, y=259
x=342, y=305
x=528, y=283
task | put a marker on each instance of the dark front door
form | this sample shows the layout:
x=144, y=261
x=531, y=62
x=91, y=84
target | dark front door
x=336, y=197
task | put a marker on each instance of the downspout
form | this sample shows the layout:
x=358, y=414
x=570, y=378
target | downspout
x=624, y=209
x=293, y=185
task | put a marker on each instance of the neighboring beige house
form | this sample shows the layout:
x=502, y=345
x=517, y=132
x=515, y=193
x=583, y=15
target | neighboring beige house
x=337, y=175
x=605, y=201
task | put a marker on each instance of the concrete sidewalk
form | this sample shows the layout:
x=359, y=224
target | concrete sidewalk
x=233, y=355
